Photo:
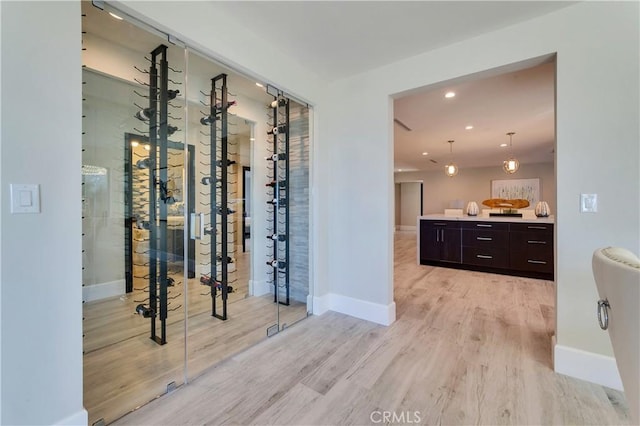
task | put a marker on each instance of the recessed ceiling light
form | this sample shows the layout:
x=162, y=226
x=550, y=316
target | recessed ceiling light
x=469, y=127
x=502, y=145
x=449, y=95
x=425, y=153
x=252, y=139
x=147, y=147
x=259, y=84
x=113, y=15
x=134, y=143
x=399, y=170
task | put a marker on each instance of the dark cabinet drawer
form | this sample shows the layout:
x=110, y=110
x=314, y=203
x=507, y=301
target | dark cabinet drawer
x=532, y=227
x=442, y=223
x=531, y=240
x=532, y=261
x=484, y=238
x=495, y=226
x=532, y=250
x=491, y=257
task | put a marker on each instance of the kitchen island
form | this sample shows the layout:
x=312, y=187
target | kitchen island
x=497, y=244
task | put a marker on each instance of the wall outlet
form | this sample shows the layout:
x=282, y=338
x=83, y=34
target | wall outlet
x=588, y=203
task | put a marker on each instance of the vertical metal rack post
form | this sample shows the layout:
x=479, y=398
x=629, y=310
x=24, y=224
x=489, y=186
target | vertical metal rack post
x=157, y=116
x=220, y=164
x=280, y=202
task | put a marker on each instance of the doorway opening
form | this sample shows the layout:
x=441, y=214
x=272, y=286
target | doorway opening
x=486, y=107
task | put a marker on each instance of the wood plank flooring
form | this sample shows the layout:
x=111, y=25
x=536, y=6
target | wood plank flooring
x=467, y=348
x=124, y=369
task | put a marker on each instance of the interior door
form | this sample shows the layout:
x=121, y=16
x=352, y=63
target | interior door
x=133, y=195
x=288, y=205
x=228, y=307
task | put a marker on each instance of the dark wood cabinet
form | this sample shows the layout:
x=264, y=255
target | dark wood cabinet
x=440, y=241
x=523, y=249
x=532, y=248
x=485, y=244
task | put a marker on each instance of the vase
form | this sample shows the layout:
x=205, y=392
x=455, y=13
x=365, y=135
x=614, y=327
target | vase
x=542, y=209
x=472, y=208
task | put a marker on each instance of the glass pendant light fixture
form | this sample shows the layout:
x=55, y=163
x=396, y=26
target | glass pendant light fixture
x=511, y=165
x=451, y=169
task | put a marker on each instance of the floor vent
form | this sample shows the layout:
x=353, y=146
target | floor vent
x=171, y=387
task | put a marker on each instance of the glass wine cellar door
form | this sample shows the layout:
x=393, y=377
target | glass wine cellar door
x=195, y=213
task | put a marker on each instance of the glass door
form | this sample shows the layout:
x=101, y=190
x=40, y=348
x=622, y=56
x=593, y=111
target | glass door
x=195, y=217
x=288, y=206
x=134, y=193
x=230, y=307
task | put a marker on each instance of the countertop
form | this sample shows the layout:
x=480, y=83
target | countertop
x=479, y=218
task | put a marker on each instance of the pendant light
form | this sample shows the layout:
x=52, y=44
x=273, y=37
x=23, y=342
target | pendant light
x=511, y=165
x=451, y=169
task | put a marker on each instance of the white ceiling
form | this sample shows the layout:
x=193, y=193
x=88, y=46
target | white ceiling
x=336, y=39
x=521, y=101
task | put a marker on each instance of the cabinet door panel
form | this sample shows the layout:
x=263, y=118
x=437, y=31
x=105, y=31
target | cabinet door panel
x=451, y=245
x=429, y=241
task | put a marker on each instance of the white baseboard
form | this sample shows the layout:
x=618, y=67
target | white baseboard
x=103, y=290
x=259, y=288
x=374, y=312
x=81, y=418
x=408, y=228
x=321, y=304
x=589, y=366
x=309, y=303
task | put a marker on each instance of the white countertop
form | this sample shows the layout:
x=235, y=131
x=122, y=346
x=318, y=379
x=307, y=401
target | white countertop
x=480, y=218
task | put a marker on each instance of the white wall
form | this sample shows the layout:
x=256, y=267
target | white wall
x=597, y=129
x=409, y=204
x=41, y=253
x=474, y=184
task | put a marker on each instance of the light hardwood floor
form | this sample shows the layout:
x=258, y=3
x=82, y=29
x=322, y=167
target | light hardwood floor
x=124, y=369
x=467, y=348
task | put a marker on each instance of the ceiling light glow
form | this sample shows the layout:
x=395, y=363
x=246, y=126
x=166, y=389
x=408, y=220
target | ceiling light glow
x=259, y=84
x=511, y=165
x=425, y=153
x=503, y=145
x=113, y=15
x=134, y=143
x=451, y=169
x=449, y=94
x=468, y=127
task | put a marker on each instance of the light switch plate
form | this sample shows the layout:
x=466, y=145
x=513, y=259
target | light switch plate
x=25, y=198
x=588, y=203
